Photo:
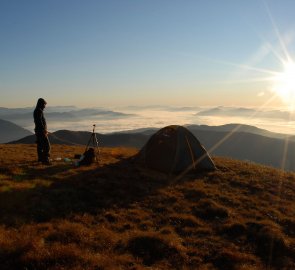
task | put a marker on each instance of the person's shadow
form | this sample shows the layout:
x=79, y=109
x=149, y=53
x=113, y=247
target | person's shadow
x=89, y=191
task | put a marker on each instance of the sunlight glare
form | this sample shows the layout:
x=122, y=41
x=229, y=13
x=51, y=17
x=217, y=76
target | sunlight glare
x=284, y=85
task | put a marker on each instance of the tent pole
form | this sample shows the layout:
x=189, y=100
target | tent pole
x=191, y=152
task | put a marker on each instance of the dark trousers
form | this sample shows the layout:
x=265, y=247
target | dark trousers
x=43, y=147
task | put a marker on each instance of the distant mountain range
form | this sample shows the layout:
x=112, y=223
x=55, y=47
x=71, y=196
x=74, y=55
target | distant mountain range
x=82, y=137
x=24, y=116
x=241, y=142
x=72, y=115
x=242, y=128
x=11, y=131
x=8, y=111
x=247, y=112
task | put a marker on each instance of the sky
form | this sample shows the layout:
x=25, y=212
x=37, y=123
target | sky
x=135, y=52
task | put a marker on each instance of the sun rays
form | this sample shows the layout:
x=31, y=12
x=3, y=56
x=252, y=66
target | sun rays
x=284, y=84
x=281, y=84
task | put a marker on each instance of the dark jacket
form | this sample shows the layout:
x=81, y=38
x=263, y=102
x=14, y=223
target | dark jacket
x=39, y=119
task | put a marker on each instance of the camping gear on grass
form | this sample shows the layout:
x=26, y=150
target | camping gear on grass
x=87, y=158
x=91, y=153
x=95, y=148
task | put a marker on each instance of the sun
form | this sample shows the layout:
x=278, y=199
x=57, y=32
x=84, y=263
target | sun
x=284, y=84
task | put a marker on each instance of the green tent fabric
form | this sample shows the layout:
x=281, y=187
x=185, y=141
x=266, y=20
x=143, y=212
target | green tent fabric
x=174, y=149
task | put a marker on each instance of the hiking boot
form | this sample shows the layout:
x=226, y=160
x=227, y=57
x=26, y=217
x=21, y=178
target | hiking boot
x=47, y=162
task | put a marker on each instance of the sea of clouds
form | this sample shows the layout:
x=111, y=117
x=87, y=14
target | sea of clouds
x=108, y=120
x=130, y=118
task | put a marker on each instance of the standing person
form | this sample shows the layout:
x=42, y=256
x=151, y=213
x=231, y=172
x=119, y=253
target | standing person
x=43, y=144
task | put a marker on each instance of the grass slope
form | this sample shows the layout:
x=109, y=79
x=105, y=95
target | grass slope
x=117, y=215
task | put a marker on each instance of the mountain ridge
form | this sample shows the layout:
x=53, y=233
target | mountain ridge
x=11, y=131
x=239, y=145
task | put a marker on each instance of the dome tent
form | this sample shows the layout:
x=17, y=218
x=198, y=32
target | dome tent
x=174, y=149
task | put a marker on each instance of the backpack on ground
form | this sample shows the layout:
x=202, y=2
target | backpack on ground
x=87, y=158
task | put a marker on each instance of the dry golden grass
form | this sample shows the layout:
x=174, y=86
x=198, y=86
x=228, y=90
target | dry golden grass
x=118, y=215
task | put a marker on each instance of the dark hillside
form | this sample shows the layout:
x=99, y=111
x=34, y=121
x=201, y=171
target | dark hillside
x=118, y=215
x=250, y=147
x=239, y=128
x=82, y=137
x=11, y=131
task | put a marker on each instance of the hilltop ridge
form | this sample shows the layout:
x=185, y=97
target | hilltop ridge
x=11, y=131
x=236, y=141
x=118, y=215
